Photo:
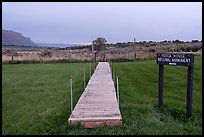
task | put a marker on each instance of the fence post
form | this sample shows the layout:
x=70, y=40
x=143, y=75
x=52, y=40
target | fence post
x=84, y=78
x=114, y=76
x=71, y=93
x=117, y=88
x=111, y=70
x=90, y=69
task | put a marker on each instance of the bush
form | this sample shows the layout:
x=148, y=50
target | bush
x=182, y=49
x=151, y=50
x=191, y=48
x=46, y=53
x=196, y=48
x=177, y=41
x=195, y=41
x=121, y=60
x=153, y=44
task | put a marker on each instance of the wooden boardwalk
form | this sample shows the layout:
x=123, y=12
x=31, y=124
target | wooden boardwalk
x=98, y=104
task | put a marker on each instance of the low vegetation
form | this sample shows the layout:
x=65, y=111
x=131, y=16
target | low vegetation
x=102, y=51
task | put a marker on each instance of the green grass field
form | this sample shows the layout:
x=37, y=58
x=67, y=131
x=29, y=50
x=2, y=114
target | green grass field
x=35, y=99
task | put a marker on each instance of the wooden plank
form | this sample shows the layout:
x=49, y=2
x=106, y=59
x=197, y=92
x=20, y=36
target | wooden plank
x=98, y=105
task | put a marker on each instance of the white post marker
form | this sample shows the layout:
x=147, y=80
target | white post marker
x=117, y=89
x=84, y=78
x=71, y=93
x=114, y=76
x=111, y=67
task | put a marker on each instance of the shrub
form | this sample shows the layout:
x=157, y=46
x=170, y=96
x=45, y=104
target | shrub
x=182, y=49
x=196, y=48
x=121, y=60
x=46, y=53
x=151, y=50
x=195, y=41
x=177, y=41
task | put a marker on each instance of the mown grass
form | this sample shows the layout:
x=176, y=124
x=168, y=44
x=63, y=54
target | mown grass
x=139, y=95
x=35, y=99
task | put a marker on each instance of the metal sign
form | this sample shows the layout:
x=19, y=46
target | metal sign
x=175, y=59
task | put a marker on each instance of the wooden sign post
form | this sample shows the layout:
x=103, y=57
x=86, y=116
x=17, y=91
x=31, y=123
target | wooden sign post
x=176, y=60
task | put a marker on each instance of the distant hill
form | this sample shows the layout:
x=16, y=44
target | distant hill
x=14, y=38
x=59, y=45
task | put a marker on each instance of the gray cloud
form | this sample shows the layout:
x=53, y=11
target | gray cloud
x=80, y=22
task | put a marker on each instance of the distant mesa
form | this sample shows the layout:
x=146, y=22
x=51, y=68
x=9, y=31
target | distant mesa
x=12, y=38
x=15, y=38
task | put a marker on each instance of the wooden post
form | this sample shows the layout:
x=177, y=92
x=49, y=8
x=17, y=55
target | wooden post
x=12, y=52
x=160, y=86
x=90, y=69
x=92, y=50
x=12, y=57
x=95, y=56
x=189, y=92
x=114, y=76
x=111, y=70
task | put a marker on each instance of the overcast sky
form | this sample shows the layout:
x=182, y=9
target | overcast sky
x=78, y=22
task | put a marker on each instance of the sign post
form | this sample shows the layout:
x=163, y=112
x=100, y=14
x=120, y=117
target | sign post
x=176, y=60
x=160, y=87
x=189, y=92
